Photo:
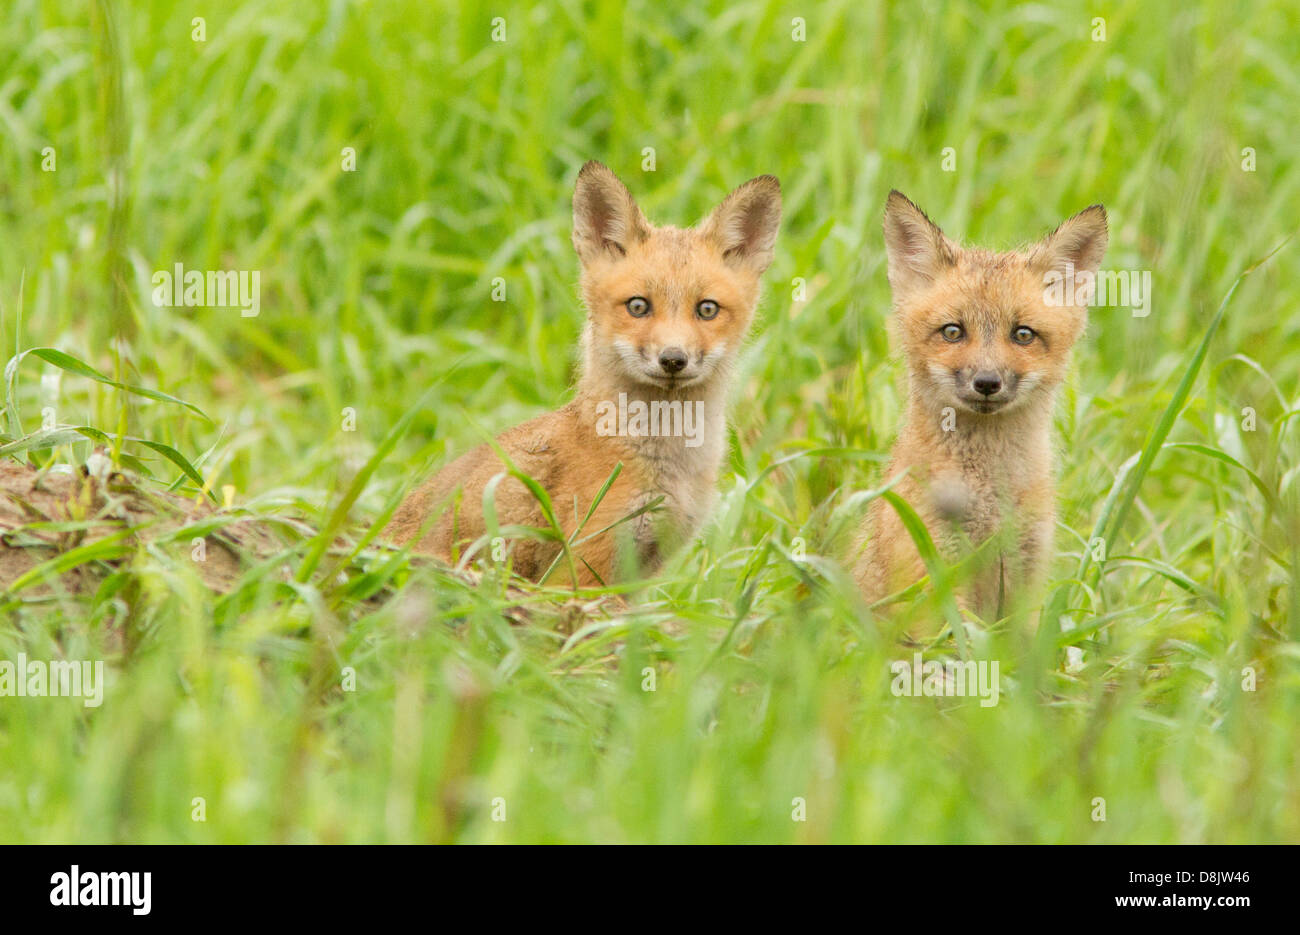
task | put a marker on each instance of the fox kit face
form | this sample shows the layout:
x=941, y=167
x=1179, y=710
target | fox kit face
x=980, y=330
x=668, y=308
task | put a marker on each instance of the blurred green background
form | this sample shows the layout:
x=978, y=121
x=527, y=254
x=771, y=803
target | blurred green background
x=771, y=680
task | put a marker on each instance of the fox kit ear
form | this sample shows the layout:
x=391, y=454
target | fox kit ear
x=917, y=250
x=1077, y=244
x=606, y=220
x=744, y=226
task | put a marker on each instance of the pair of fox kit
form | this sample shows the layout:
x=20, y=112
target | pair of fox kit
x=667, y=312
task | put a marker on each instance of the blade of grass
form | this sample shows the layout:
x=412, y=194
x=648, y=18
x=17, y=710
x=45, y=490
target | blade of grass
x=71, y=364
x=1125, y=490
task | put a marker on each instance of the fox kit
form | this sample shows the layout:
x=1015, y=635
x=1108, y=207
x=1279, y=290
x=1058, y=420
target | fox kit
x=667, y=311
x=986, y=338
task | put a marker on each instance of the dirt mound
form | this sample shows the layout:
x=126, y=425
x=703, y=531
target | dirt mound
x=75, y=525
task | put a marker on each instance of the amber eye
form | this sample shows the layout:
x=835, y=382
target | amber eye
x=637, y=307
x=1023, y=335
x=708, y=309
x=952, y=332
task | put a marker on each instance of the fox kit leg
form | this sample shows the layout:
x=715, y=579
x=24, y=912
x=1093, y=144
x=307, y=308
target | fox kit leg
x=888, y=559
x=1035, y=557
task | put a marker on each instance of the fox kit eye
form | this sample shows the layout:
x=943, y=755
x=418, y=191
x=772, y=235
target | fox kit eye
x=1023, y=335
x=952, y=333
x=708, y=309
x=637, y=307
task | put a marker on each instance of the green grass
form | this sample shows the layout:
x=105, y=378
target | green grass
x=771, y=680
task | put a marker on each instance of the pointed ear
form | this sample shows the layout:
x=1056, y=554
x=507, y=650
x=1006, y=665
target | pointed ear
x=744, y=226
x=918, y=252
x=606, y=221
x=1077, y=244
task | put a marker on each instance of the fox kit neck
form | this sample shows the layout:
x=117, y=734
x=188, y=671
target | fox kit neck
x=1015, y=443
x=673, y=431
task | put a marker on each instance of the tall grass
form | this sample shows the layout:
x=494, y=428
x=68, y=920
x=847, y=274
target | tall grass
x=770, y=679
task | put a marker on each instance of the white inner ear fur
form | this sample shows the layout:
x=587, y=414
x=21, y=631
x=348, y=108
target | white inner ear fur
x=745, y=225
x=605, y=216
x=916, y=249
x=1078, y=244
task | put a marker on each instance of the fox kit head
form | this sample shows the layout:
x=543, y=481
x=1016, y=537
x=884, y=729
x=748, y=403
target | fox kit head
x=987, y=332
x=668, y=308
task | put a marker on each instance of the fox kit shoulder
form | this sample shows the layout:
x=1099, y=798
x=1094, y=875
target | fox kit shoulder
x=667, y=312
x=986, y=342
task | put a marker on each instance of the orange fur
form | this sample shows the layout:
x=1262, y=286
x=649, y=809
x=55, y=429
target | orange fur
x=625, y=356
x=975, y=446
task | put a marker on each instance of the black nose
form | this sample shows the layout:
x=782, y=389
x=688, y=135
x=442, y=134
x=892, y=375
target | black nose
x=672, y=359
x=987, y=383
